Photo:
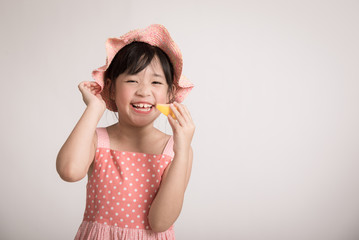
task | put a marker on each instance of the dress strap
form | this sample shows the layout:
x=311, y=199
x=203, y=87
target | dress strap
x=103, y=140
x=169, y=148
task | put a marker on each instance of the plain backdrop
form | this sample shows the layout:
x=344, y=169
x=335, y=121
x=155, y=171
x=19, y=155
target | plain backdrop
x=275, y=103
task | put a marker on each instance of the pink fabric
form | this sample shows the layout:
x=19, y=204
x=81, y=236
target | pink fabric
x=91, y=230
x=120, y=191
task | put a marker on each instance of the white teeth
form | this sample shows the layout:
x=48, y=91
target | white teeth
x=141, y=105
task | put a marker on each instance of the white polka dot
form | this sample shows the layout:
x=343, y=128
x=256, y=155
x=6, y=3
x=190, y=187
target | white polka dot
x=132, y=221
x=149, y=160
x=153, y=175
x=122, y=209
x=139, y=160
x=127, y=215
x=105, y=160
x=138, y=216
x=139, y=205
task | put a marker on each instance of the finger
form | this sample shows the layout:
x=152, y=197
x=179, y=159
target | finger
x=178, y=115
x=172, y=122
x=182, y=109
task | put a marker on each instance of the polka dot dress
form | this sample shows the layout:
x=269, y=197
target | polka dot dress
x=120, y=191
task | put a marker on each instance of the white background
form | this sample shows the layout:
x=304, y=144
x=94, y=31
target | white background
x=276, y=105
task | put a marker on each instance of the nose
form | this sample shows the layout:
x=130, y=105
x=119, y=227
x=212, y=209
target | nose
x=143, y=90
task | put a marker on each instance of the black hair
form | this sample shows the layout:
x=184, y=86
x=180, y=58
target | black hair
x=136, y=56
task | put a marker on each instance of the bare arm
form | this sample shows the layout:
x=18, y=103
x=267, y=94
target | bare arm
x=77, y=153
x=168, y=202
x=167, y=205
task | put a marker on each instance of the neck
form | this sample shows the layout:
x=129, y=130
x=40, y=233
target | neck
x=128, y=132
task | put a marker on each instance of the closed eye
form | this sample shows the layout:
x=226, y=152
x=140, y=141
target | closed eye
x=156, y=82
x=131, y=81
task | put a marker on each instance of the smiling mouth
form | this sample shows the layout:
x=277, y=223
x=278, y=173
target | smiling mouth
x=142, y=107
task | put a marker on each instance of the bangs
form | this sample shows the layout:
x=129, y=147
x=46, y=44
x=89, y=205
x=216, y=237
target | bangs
x=139, y=60
x=131, y=59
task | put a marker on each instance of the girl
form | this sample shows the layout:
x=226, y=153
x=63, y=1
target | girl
x=137, y=175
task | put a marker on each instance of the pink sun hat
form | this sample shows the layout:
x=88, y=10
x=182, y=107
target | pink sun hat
x=155, y=35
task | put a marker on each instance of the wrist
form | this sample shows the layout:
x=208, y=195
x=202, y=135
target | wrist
x=96, y=110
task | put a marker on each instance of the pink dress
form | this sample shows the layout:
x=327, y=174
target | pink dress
x=120, y=191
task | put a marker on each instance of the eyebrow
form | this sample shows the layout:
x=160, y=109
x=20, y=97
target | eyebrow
x=157, y=75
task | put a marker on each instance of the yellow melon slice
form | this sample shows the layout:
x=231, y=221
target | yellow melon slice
x=165, y=109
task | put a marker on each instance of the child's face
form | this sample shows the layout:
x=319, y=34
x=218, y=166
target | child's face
x=137, y=95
